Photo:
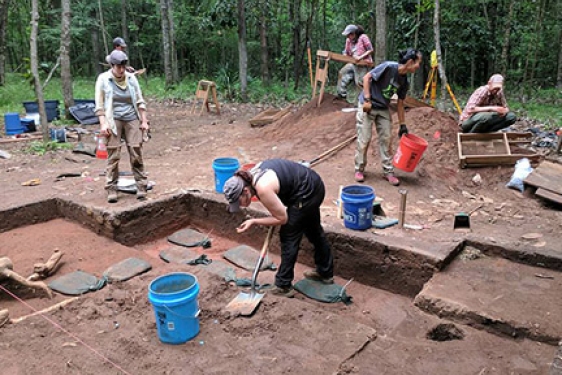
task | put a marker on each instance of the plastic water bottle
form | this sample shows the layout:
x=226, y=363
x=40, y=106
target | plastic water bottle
x=101, y=150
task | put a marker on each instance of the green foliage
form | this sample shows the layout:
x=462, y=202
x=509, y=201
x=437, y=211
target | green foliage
x=40, y=148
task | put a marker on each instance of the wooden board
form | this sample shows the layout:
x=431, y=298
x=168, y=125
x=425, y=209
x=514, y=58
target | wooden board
x=341, y=58
x=549, y=195
x=482, y=149
x=547, y=176
x=268, y=116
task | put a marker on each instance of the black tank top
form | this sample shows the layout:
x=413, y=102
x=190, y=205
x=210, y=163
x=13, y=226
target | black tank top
x=297, y=183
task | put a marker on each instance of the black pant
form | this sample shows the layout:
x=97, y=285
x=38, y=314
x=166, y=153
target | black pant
x=304, y=218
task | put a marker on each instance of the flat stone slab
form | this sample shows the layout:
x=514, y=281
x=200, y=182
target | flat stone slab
x=246, y=257
x=182, y=255
x=498, y=295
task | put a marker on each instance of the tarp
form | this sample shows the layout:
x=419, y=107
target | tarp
x=84, y=113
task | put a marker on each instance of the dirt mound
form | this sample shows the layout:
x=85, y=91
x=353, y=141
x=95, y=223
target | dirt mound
x=318, y=128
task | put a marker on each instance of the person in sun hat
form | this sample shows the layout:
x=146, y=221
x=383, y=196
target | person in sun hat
x=292, y=193
x=357, y=45
x=121, y=110
x=486, y=110
x=379, y=85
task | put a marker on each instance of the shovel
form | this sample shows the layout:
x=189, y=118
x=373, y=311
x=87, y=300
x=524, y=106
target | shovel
x=246, y=302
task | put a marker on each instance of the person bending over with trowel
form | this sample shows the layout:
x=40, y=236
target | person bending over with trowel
x=486, y=110
x=292, y=193
x=379, y=85
x=121, y=110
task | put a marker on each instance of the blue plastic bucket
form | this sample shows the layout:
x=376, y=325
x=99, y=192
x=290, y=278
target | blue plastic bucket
x=358, y=206
x=12, y=123
x=174, y=299
x=224, y=169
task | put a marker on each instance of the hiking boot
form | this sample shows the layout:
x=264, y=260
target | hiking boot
x=359, y=176
x=394, y=181
x=314, y=275
x=111, y=196
x=141, y=192
x=287, y=292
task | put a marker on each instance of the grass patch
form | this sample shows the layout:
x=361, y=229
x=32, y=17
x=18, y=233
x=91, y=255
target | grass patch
x=41, y=148
x=542, y=105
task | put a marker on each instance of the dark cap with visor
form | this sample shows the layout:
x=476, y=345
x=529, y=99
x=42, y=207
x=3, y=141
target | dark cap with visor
x=233, y=188
x=118, y=58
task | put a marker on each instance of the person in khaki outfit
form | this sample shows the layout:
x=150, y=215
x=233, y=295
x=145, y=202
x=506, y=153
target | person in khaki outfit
x=379, y=85
x=121, y=110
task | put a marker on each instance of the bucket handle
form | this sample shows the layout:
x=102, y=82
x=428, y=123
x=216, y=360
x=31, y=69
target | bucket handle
x=181, y=316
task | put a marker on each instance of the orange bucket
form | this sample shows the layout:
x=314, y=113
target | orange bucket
x=248, y=167
x=409, y=153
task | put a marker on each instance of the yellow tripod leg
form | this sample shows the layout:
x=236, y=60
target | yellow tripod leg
x=429, y=79
x=454, y=99
x=433, y=88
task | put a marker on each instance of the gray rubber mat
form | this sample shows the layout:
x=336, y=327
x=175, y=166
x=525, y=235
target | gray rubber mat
x=246, y=257
x=188, y=237
x=329, y=293
x=126, y=269
x=178, y=254
x=77, y=283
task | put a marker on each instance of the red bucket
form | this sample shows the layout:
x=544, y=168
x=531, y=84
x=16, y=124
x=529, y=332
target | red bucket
x=409, y=153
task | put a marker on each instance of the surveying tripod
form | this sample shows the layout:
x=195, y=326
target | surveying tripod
x=432, y=80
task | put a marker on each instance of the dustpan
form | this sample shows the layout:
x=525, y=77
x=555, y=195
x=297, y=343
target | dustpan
x=246, y=302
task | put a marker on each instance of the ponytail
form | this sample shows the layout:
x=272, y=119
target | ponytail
x=409, y=54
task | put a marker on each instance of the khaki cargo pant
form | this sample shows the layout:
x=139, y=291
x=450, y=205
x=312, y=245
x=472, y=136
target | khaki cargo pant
x=350, y=72
x=130, y=131
x=364, y=125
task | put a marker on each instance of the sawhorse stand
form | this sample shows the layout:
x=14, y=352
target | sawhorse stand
x=321, y=73
x=204, y=88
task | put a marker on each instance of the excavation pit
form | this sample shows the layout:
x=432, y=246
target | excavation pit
x=381, y=332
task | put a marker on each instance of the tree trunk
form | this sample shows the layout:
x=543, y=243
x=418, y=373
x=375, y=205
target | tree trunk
x=416, y=42
x=295, y=12
x=96, y=48
x=559, y=75
x=263, y=44
x=506, y=34
x=66, y=75
x=173, y=54
x=125, y=30
x=242, y=51
x=538, y=36
x=102, y=26
x=125, y=24
x=166, y=42
x=437, y=32
x=35, y=68
x=380, y=39
x=4, y=6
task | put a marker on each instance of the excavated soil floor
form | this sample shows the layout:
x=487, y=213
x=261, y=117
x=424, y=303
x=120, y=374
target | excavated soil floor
x=113, y=331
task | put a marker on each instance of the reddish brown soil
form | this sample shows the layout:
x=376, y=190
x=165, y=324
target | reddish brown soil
x=296, y=336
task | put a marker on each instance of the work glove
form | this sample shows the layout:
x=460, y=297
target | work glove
x=403, y=130
x=367, y=107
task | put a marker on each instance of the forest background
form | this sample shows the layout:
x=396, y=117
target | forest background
x=257, y=50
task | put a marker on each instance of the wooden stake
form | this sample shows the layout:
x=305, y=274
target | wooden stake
x=340, y=204
x=46, y=310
